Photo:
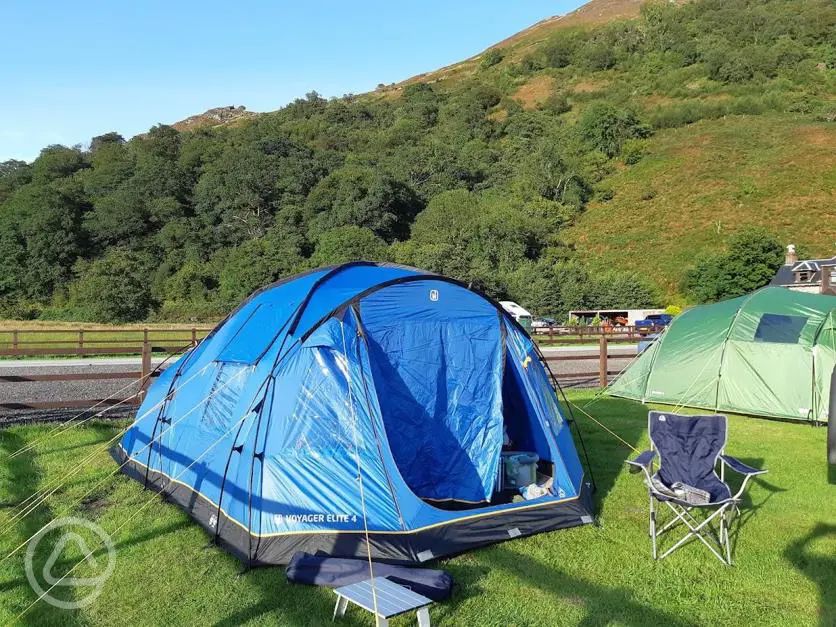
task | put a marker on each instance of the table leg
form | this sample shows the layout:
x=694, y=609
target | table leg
x=340, y=607
x=424, y=617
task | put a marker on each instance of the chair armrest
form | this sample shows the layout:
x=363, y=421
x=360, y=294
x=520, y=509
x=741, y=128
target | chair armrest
x=643, y=461
x=739, y=467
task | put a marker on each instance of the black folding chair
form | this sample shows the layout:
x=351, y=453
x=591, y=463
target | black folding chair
x=687, y=482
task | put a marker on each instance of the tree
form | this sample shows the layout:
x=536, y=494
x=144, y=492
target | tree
x=13, y=175
x=114, y=288
x=57, y=162
x=257, y=263
x=45, y=220
x=606, y=127
x=751, y=258
x=105, y=140
x=364, y=197
x=348, y=243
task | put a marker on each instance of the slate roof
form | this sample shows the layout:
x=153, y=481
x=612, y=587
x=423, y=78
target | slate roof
x=786, y=273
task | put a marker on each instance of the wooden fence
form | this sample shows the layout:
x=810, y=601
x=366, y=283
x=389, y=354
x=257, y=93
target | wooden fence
x=90, y=342
x=602, y=356
x=587, y=334
x=93, y=342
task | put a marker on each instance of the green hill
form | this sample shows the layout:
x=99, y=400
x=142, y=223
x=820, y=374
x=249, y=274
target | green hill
x=590, y=160
x=701, y=182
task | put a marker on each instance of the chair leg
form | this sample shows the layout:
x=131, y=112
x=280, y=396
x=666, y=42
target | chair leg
x=731, y=518
x=696, y=532
x=653, y=527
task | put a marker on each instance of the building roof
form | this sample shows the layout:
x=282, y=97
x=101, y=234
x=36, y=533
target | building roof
x=786, y=273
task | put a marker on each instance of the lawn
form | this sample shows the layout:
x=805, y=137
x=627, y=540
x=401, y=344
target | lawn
x=785, y=572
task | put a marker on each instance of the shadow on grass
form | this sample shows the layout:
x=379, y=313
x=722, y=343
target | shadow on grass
x=63, y=564
x=820, y=569
x=626, y=419
x=23, y=481
x=291, y=604
x=602, y=605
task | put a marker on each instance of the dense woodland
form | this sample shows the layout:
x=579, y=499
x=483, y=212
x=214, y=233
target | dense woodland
x=457, y=178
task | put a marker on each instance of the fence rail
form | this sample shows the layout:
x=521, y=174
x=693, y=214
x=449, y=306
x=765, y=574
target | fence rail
x=585, y=334
x=148, y=342
x=92, y=342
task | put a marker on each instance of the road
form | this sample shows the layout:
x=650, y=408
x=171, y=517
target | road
x=22, y=392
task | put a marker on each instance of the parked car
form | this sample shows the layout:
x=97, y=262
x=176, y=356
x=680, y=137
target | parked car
x=652, y=322
x=541, y=325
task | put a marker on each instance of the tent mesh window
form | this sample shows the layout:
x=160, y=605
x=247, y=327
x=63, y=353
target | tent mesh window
x=779, y=328
x=223, y=397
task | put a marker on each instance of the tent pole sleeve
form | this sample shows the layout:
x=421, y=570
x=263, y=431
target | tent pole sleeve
x=235, y=448
x=260, y=457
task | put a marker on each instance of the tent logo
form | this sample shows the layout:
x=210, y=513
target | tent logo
x=96, y=561
x=434, y=295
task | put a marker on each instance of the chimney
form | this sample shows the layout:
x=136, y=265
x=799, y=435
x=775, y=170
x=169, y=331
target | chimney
x=792, y=257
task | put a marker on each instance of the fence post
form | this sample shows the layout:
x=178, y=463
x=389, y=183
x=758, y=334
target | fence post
x=146, y=368
x=194, y=337
x=602, y=362
x=81, y=340
x=14, y=340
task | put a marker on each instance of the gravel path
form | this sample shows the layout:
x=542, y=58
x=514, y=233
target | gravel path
x=48, y=391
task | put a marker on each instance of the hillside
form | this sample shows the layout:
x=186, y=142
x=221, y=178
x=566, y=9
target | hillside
x=548, y=170
x=217, y=116
x=593, y=13
x=700, y=182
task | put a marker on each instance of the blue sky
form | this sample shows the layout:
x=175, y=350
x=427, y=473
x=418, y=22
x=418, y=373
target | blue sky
x=72, y=70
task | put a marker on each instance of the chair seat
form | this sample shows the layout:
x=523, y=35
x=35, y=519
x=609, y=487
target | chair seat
x=719, y=491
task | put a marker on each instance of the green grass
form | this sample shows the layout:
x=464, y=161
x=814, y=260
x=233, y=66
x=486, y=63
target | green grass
x=785, y=572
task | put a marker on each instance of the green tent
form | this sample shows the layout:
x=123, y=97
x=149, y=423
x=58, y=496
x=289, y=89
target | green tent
x=770, y=353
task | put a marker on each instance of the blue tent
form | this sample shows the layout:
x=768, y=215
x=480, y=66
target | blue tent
x=405, y=380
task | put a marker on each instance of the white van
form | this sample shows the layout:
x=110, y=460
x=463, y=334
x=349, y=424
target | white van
x=521, y=315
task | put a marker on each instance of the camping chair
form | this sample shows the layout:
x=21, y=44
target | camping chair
x=687, y=482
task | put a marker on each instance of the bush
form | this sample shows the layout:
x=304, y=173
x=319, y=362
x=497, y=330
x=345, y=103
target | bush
x=606, y=127
x=561, y=48
x=633, y=151
x=492, y=57
x=556, y=103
